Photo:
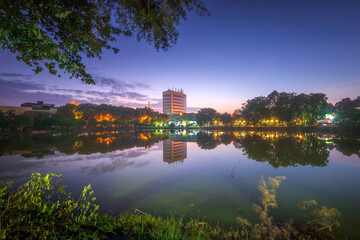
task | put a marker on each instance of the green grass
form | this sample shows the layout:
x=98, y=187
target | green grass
x=42, y=209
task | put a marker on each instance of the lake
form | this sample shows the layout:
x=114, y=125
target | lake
x=203, y=175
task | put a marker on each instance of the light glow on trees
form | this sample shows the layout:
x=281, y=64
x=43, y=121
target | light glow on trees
x=104, y=117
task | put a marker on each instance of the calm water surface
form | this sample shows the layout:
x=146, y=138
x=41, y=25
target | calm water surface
x=198, y=175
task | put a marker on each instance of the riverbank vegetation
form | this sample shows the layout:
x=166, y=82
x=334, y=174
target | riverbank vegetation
x=277, y=110
x=281, y=109
x=42, y=209
x=280, y=149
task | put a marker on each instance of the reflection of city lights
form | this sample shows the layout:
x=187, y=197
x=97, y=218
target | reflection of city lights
x=107, y=140
x=78, y=144
x=143, y=137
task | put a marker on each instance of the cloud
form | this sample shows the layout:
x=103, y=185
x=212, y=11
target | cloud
x=193, y=109
x=113, y=84
x=20, y=85
x=15, y=75
x=19, y=88
x=133, y=95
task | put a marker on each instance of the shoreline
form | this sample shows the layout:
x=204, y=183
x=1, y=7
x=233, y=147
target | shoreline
x=332, y=130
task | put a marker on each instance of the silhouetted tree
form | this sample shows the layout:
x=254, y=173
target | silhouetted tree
x=58, y=34
x=22, y=121
x=206, y=116
x=226, y=119
x=4, y=122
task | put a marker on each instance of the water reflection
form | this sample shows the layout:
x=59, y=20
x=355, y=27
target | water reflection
x=278, y=149
x=284, y=151
x=174, y=152
x=41, y=146
x=135, y=170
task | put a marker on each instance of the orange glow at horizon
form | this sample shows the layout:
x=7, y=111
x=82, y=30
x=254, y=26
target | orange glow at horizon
x=73, y=103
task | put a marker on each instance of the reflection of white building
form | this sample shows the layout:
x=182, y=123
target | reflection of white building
x=174, y=151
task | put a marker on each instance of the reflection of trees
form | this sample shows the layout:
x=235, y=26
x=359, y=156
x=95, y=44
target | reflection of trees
x=15, y=146
x=86, y=145
x=226, y=139
x=348, y=145
x=285, y=150
x=71, y=144
x=206, y=140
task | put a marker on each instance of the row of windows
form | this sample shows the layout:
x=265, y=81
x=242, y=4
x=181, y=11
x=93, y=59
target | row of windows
x=174, y=104
x=179, y=101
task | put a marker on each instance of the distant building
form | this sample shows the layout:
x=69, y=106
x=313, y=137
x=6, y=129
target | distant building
x=174, y=151
x=40, y=106
x=174, y=102
x=14, y=110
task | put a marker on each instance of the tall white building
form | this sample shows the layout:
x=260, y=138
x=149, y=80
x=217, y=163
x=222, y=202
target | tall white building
x=174, y=102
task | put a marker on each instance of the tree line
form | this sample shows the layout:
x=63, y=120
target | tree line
x=278, y=109
x=285, y=109
x=83, y=115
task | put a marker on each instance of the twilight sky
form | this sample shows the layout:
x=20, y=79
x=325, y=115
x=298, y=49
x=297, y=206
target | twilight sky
x=244, y=49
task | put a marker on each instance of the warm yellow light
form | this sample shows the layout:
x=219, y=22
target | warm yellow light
x=77, y=114
x=143, y=118
x=107, y=140
x=143, y=137
x=78, y=144
x=106, y=117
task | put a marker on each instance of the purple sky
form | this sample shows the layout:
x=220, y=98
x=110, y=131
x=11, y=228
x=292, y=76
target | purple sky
x=243, y=50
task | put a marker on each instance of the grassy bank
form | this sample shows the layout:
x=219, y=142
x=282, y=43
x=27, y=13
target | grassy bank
x=42, y=209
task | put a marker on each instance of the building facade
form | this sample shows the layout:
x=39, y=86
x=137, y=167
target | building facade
x=174, y=102
x=27, y=107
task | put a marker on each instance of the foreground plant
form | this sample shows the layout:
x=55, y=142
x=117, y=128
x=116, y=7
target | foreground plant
x=322, y=218
x=41, y=208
